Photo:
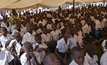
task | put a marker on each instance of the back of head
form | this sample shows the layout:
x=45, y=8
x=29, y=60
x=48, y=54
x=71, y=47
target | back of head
x=76, y=49
x=28, y=46
x=90, y=49
x=51, y=59
x=37, y=35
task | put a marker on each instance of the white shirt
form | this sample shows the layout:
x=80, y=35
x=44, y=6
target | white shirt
x=28, y=38
x=4, y=39
x=73, y=42
x=23, y=59
x=74, y=63
x=103, y=60
x=92, y=61
x=103, y=45
x=5, y=57
x=103, y=22
x=46, y=37
x=21, y=32
x=55, y=34
x=42, y=53
x=85, y=29
x=49, y=26
x=98, y=25
x=17, y=47
x=62, y=46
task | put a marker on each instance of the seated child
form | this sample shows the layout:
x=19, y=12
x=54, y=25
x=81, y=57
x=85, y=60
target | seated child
x=91, y=56
x=103, y=60
x=30, y=56
x=51, y=59
x=4, y=37
x=40, y=47
x=78, y=58
x=5, y=57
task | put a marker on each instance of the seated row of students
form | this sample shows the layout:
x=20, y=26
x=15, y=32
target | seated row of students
x=62, y=51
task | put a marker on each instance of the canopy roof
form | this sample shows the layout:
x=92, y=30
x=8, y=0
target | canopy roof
x=23, y=4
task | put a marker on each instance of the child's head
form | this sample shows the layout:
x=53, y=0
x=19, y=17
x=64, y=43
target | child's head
x=17, y=26
x=66, y=32
x=54, y=27
x=91, y=49
x=78, y=55
x=38, y=38
x=3, y=31
x=29, y=27
x=27, y=47
x=17, y=36
x=44, y=29
x=51, y=59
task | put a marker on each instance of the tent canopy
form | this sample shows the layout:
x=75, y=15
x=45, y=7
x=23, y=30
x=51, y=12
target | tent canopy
x=23, y=4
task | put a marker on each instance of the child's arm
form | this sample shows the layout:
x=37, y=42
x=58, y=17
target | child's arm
x=56, y=52
x=34, y=57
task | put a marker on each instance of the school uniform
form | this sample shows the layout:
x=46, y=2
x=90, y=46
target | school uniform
x=103, y=46
x=23, y=58
x=62, y=46
x=42, y=53
x=46, y=37
x=74, y=63
x=55, y=34
x=73, y=42
x=28, y=38
x=104, y=22
x=49, y=26
x=103, y=60
x=21, y=32
x=85, y=29
x=5, y=57
x=80, y=38
x=17, y=47
x=4, y=39
x=91, y=61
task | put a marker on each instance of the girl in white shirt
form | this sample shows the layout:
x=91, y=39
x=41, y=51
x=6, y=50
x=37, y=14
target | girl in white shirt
x=63, y=46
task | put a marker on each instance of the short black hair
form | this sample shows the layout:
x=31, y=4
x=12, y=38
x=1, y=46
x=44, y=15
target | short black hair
x=37, y=35
x=76, y=49
x=28, y=45
x=90, y=48
x=63, y=31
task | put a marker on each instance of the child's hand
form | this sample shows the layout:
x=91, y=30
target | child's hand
x=31, y=54
x=65, y=61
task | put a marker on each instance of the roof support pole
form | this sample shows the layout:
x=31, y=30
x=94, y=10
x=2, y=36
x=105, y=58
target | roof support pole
x=73, y=7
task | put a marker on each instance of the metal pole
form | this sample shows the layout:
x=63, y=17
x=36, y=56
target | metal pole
x=73, y=7
x=103, y=2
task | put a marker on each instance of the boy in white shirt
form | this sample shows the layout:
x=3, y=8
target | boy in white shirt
x=5, y=37
x=91, y=56
x=78, y=58
x=39, y=47
x=29, y=35
x=103, y=60
x=55, y=33
x=29, y=57
x=5, y=57
x=46, y=37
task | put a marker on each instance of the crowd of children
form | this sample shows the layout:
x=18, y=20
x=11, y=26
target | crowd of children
x=55, y=37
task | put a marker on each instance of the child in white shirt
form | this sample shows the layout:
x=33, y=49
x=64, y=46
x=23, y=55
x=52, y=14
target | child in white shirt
x=91, y=56
x=39, y=47
x=103, y=60
x=5, y=57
